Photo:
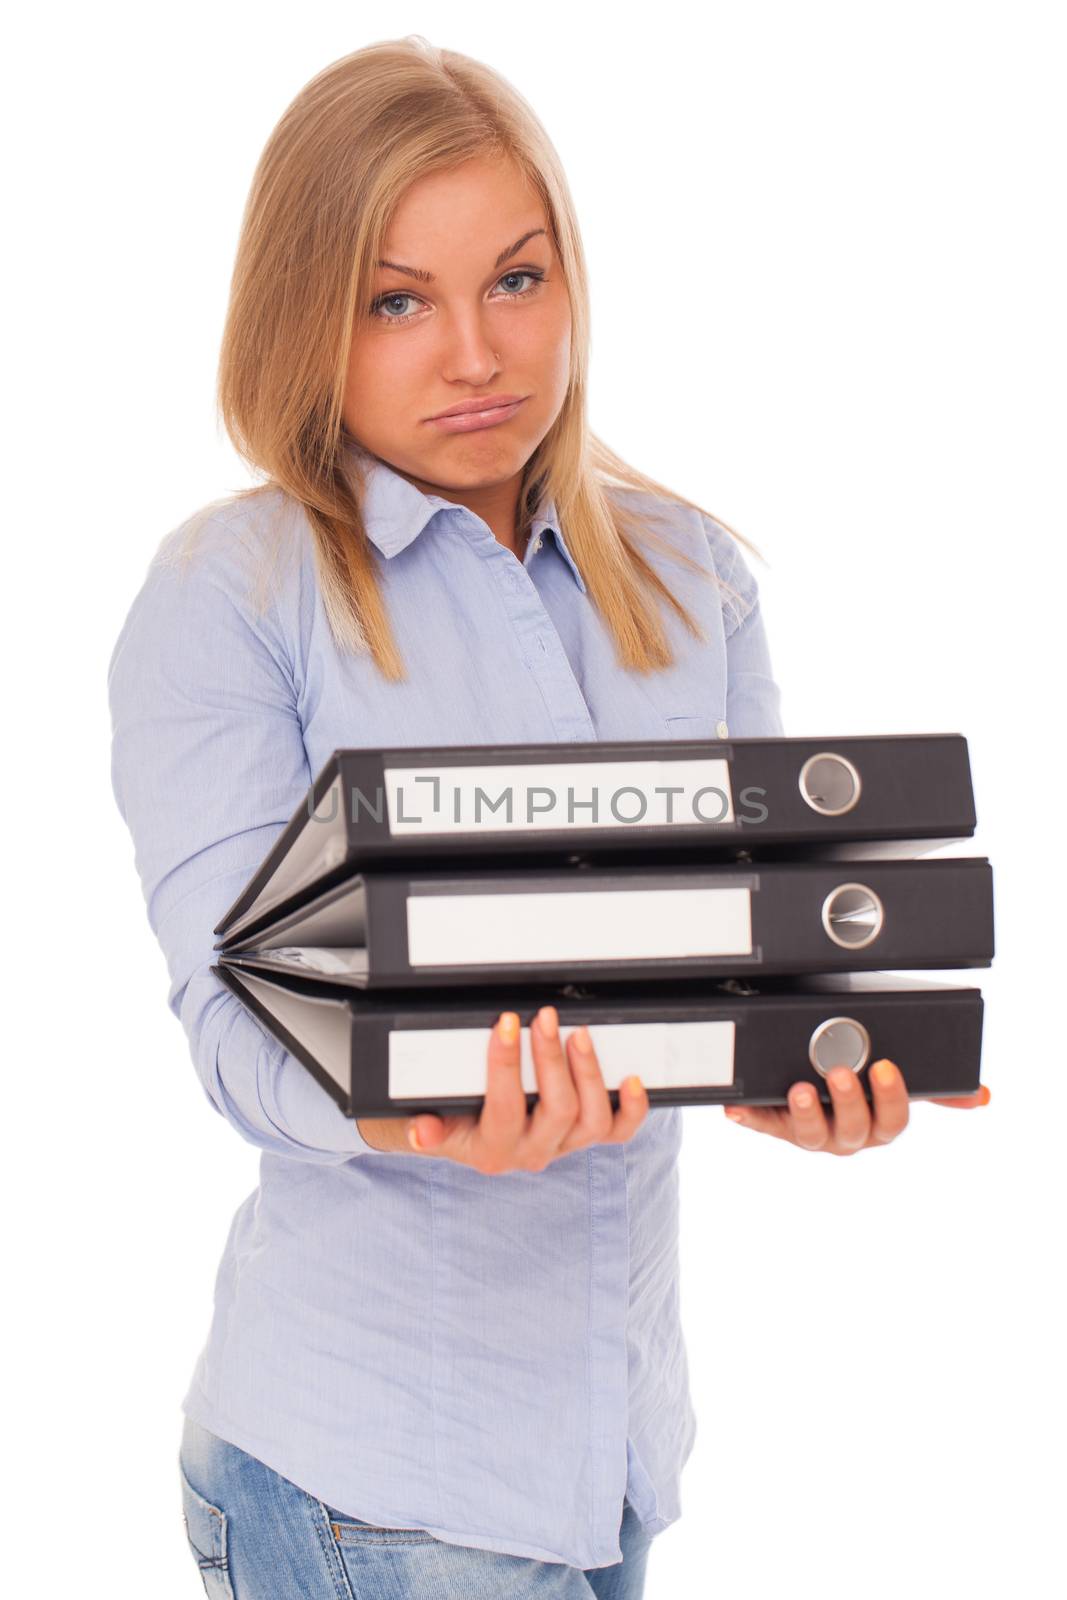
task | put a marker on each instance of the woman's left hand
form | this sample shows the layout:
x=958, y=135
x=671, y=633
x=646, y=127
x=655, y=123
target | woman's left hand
x=851, y=1126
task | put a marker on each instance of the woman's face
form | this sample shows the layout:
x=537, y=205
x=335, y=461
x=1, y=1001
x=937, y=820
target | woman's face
x=482, y=326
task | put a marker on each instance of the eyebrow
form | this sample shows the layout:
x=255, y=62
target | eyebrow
x=423, y=276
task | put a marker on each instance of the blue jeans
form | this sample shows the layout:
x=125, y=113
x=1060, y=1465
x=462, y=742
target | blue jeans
x=256, y=1536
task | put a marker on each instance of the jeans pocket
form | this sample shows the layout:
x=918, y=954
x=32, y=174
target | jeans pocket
x=205, y=1527
x=350, y=1530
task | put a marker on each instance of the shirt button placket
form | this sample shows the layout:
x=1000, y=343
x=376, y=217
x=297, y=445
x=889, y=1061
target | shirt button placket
x=562, y=697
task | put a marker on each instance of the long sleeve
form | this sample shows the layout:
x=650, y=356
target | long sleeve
x=753, y=697
x=207, y=766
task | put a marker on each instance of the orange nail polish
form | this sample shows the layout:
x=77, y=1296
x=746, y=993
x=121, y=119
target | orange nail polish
x=884, y=1073
x=984, y=1095
x=632, y=1085
x=509, y=1027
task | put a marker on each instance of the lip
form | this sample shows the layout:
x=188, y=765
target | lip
x=474, y=414
x=486, y=403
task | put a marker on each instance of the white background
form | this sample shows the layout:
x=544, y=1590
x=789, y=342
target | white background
x=828, y=270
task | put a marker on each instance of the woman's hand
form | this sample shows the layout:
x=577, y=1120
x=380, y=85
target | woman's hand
x=572, y=1110
x=851, y=1126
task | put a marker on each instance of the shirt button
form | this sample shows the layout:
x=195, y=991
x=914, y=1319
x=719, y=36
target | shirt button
x=722, y=730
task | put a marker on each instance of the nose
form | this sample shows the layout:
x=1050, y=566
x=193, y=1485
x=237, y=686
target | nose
x=470, y=356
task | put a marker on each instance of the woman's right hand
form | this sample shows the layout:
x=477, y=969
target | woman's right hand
x=572, y=1109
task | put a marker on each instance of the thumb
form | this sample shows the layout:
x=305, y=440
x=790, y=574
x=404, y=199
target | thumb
x=426, y=1132
x=432, y=1132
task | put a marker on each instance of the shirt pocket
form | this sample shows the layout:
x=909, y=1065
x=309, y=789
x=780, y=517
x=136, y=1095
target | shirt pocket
x=707, y=723
x=205, y=1527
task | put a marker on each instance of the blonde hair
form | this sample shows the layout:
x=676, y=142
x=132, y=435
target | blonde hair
x=332, y=172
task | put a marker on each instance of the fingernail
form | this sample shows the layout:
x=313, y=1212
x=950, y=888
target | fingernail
x=984, y=1095
x=509, y=1027
x=735, y=1114
x=632, y=1085
x=884, y=1073
x=548, y=1022
x=804, y=1099
x=582, y=1040
x=413, y=1137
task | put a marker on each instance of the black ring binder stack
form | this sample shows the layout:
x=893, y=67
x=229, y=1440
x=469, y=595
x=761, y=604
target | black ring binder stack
x=717, y=912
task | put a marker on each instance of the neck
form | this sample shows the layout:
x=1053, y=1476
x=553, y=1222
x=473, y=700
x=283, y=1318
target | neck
x=496, y=503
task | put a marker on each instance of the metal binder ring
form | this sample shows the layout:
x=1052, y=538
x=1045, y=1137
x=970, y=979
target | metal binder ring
x=829, y=783
x=853, y=916
x=839, y=1042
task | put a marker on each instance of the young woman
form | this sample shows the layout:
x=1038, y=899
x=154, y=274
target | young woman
x=445, y=1356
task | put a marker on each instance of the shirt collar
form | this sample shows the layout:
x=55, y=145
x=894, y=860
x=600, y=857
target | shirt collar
x=395, y=512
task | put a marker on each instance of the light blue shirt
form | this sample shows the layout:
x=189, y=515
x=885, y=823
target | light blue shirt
x=496, y=1359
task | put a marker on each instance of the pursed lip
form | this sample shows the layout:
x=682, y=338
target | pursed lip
x=491, y=402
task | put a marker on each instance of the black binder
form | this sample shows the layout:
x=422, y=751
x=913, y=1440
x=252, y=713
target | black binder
x=692, y=1043
x=893, y=795
x=644, y=922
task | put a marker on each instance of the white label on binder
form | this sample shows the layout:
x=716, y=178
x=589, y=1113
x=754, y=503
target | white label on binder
x=558, y=796
x=587, y=925
x=435, y=1062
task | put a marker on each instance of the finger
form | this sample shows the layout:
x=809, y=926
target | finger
x=890, y=1102
x=557, y=1107
x=634, y=1106
x=966, y=1102
x=503, y=1116
x=809, y=1127
x=597, y=1122
x=595, y=1118
x=852, y=1118
x=774, y=1120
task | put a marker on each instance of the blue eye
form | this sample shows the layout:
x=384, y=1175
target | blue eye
x=382, y=300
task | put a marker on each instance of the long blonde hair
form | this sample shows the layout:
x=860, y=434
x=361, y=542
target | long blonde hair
x=332, y=172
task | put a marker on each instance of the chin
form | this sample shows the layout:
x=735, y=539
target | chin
x=484, y=464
